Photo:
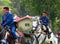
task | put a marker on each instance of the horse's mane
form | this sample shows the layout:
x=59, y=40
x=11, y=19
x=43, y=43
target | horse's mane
x=1, y=27
x=1, y=32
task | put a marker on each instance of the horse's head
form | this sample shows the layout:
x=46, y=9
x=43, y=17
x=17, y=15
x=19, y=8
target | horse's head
x=1, y=28
x=36, y=24
x=2, y=32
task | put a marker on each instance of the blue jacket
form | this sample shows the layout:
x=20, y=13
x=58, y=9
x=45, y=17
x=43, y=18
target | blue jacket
x=7, y=20
x=45, y=20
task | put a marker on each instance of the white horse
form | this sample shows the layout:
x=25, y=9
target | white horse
x=40, y=36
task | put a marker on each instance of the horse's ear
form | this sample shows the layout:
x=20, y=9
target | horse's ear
x=1, y=27
x=0, y=23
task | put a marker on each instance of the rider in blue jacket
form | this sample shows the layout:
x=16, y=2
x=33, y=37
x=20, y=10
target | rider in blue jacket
x=7, y=19
x=45, y=21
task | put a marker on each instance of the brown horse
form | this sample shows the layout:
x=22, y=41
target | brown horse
x=9, y=37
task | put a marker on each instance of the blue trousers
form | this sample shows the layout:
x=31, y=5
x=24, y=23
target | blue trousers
x=13, y=30
x=6, y=42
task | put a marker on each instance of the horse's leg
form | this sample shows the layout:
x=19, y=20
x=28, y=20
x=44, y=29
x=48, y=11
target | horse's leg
x=21, y=40
x=6, y=36
x=34, y=42
x=12, y=42
x=21, y=37
x=56, y=40
x=41, y=38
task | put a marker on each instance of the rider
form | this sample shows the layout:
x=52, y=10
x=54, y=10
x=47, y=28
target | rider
x=45, y=22
x=7, y=19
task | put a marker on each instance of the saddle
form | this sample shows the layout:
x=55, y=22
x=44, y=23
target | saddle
x=18, y=33
x=44, y=29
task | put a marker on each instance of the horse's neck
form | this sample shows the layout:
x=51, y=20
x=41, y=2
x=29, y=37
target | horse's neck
x=34, y=23
x=39, y=28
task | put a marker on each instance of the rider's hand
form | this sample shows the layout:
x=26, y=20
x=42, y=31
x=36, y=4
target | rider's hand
x=40, y=21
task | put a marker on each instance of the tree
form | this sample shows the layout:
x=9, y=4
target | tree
x=35, y=7
x=2, y=4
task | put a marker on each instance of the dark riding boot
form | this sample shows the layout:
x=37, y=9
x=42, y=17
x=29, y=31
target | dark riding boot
x=49, y=33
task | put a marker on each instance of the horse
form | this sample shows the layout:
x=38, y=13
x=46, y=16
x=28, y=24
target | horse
x=6, y=33
x=40, y=36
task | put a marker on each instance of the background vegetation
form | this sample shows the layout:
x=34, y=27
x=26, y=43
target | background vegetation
x=35, y=7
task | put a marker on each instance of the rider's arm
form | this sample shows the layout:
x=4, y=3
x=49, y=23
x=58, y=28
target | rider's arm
x=40, y=19
x=48, y=20
x=8, y=20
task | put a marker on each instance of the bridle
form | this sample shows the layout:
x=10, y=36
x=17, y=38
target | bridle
x=39, y=25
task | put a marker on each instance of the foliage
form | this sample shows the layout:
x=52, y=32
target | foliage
x=35, y=7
